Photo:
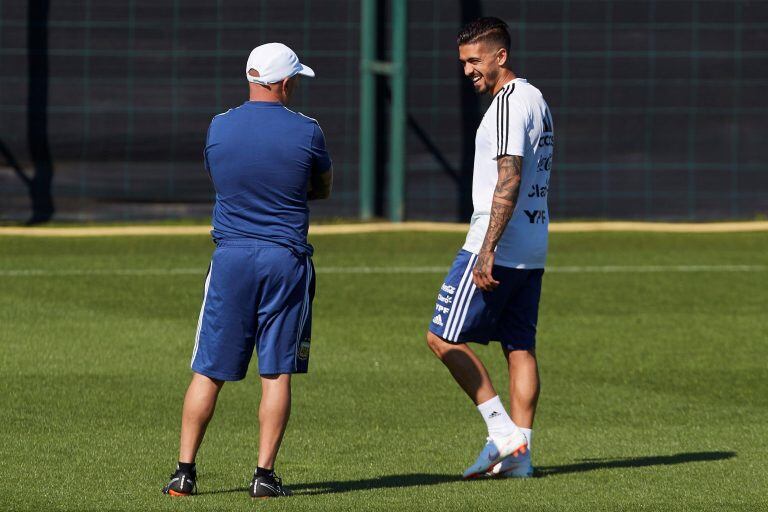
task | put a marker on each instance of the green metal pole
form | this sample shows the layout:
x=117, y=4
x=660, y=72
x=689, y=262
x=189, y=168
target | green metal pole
x=367, y=106
x=398, y=115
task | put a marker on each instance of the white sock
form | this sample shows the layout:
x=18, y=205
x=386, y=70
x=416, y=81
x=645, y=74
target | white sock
x=528, y=433
x=496, y=418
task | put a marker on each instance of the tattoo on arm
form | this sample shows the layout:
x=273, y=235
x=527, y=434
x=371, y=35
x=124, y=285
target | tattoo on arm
x=504, y=199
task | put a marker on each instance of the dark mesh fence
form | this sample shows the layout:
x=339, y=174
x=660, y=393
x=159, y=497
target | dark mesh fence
x=659, y=106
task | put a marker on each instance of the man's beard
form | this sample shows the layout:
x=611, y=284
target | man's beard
x=489, y=79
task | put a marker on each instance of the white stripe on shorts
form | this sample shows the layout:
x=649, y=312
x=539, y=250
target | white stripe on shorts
x=455, y=335
x=304, y=313
x=305, y=310
x=202, y=311
x=457, y=299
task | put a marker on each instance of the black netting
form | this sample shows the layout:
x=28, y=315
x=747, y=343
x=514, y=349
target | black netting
x=659, y=105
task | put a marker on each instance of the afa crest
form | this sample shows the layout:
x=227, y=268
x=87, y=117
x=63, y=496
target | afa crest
x=304, y=349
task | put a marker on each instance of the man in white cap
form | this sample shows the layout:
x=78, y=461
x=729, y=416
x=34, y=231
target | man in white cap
x=265, y=162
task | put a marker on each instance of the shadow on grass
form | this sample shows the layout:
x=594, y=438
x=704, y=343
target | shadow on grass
x=417, y=479
x=632, y=462
x=382, y=482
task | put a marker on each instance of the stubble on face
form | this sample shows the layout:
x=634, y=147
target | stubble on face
x=491, y=78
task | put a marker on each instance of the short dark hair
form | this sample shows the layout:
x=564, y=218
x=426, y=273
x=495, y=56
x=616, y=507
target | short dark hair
x=489, y=29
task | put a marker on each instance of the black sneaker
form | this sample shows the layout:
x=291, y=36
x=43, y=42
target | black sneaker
x=183, y=483
x=267, y=486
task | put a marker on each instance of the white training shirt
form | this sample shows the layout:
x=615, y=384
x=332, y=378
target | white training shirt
x=518, y=122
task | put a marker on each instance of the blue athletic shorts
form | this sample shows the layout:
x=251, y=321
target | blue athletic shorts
x=257, y=295
x=507, y=314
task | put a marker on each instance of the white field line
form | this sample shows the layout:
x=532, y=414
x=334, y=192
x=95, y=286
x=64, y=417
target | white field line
x=599, y=269
x=386, y=227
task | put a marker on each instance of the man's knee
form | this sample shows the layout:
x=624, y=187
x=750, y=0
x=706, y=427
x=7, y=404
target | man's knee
x=204, y=381
x=438, y=345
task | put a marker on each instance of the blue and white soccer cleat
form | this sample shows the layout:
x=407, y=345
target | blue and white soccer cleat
x=513, y=467
x=495, y=451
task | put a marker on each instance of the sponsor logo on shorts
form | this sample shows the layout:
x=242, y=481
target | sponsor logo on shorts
x=448, y=289
x=442, y=309
x=304, y=350
x=444, y=300
x=437, y=320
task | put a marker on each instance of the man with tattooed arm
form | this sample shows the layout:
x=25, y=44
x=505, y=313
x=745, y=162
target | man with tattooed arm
x=492, y=290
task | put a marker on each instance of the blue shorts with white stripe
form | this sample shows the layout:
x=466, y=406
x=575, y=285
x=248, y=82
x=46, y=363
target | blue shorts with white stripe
x=508, y=314
x=257, y=295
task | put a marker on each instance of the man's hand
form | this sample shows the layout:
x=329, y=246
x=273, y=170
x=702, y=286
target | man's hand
x=482, y=273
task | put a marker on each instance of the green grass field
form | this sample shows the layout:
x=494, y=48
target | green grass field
x=655, y=382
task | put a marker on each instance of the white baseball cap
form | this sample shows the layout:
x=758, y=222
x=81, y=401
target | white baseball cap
x=274, y=62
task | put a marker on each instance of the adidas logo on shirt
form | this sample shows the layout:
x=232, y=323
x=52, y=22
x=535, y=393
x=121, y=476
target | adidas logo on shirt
x=437, y=320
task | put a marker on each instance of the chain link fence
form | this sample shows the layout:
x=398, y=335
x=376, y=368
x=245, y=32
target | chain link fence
x=659, y=106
